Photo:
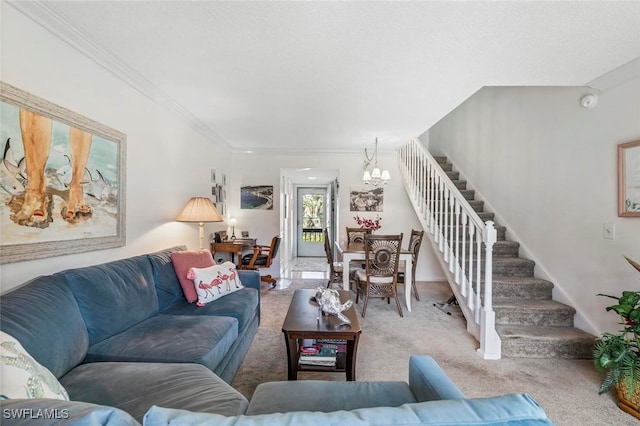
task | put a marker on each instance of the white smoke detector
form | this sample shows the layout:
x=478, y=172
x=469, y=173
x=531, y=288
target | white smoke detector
x=589, y=101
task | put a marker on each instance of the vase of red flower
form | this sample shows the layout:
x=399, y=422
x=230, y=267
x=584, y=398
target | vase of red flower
x=372, y=224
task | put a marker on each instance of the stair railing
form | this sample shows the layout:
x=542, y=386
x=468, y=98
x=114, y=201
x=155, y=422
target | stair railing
x=459, y=238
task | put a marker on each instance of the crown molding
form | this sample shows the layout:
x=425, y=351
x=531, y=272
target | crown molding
x=42, y=14
x=618, y=76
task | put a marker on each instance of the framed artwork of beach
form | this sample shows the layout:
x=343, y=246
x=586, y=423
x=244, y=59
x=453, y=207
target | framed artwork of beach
x=256, y=197
x=629, y=179
x=62, y=180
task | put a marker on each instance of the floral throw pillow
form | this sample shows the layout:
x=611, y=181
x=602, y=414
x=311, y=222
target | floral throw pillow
x=22, y=377
x=214, y=282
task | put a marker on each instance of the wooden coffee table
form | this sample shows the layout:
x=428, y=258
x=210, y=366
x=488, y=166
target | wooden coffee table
x=302, y=322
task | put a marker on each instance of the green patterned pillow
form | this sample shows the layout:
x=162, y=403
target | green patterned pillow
x=21, y=376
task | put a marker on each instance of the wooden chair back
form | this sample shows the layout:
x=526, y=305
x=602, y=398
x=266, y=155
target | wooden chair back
x=382, y=255
x=356, y=235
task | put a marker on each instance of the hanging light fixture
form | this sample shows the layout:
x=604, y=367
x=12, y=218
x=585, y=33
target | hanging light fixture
x=375, y=177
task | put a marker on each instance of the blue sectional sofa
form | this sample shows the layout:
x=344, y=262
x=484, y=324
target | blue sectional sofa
x=429, y=398
x=121, y=334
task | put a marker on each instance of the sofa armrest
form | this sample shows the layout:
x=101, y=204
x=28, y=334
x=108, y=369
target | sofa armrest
x=428, y=381
x=250, y=278
x=45, y=412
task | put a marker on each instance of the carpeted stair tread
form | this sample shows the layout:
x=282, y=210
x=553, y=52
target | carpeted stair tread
x=533, y=312
x=510, y=287
x=447, y=167
x=545, y=342
x=511, y=266
x=501, y=232
x=468, y=194
x=477, y=205
x=485, y=216
x=501, y=248
x=531, y=304
x=460, y=184
x=505, y=248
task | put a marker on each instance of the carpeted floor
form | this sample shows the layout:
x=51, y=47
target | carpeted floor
x=566, y=389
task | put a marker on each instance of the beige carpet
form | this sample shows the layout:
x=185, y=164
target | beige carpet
x=566, y=389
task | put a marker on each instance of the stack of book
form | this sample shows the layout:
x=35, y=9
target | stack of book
x=339, y=345
x=317, y=355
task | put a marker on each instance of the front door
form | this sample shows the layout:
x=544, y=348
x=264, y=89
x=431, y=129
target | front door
x=311, y=221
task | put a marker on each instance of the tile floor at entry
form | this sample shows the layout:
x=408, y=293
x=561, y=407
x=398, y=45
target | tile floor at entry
x=306, y=267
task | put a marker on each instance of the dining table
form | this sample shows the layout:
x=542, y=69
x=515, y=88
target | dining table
x=354, y=251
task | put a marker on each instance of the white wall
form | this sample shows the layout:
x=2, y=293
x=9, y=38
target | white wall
x=548, y=168
x=398, y=216
x=167, y=161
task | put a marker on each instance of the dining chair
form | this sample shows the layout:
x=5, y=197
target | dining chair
x=415, y=241
x=335, y=268
x=356, y=235
x=380, y=276
x=261, y=257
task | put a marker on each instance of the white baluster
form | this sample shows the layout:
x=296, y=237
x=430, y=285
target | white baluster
x=470, y=300
x=478, y=276
x=456, y=243
x=463, y=257
x=452, y=259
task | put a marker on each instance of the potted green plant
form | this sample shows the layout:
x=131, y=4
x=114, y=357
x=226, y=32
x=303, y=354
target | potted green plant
x=617, y=355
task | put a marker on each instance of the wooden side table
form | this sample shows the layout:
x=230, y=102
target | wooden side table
x=235, y=247
x=302, y=322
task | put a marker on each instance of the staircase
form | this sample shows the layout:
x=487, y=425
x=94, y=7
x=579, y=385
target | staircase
x=528, y=322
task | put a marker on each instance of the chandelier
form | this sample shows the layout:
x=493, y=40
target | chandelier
x=375, y=177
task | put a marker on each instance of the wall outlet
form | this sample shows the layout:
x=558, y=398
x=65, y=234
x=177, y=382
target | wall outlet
x=609, y=231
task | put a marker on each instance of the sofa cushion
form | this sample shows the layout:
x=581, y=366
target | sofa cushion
x=114, y=296
x=165, y=279
x=183, y=261
x=317, y=395
x=241, y=305
x=170, y=338
x=44, y=317
x=50, y=412
x=507, y=410
x=22, y=377
x=135, y=387
x=214, y=282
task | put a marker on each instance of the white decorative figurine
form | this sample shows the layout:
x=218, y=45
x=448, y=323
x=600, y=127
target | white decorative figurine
x=329, y=302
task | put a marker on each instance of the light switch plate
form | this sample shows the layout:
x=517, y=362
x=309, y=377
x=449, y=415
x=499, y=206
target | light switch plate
x=609, y=231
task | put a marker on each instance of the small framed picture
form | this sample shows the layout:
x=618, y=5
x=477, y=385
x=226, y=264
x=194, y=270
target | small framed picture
x=245, y=234
x=629, y=179
x=213, y=175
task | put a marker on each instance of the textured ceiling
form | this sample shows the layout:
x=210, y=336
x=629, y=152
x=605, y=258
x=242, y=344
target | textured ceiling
x=329, y=77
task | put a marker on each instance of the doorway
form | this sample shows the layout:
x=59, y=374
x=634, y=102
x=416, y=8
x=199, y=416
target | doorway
x=311, y=220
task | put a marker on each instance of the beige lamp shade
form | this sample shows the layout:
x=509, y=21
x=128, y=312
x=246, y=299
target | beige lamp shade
x=199, y=209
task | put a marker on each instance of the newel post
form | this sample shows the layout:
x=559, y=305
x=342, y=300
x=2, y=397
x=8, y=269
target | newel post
x=490, y=342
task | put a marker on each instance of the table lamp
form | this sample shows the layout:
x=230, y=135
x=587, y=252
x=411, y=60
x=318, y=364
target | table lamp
x=199, y=209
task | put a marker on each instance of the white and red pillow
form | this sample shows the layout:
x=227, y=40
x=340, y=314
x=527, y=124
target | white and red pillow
x=213, y=282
